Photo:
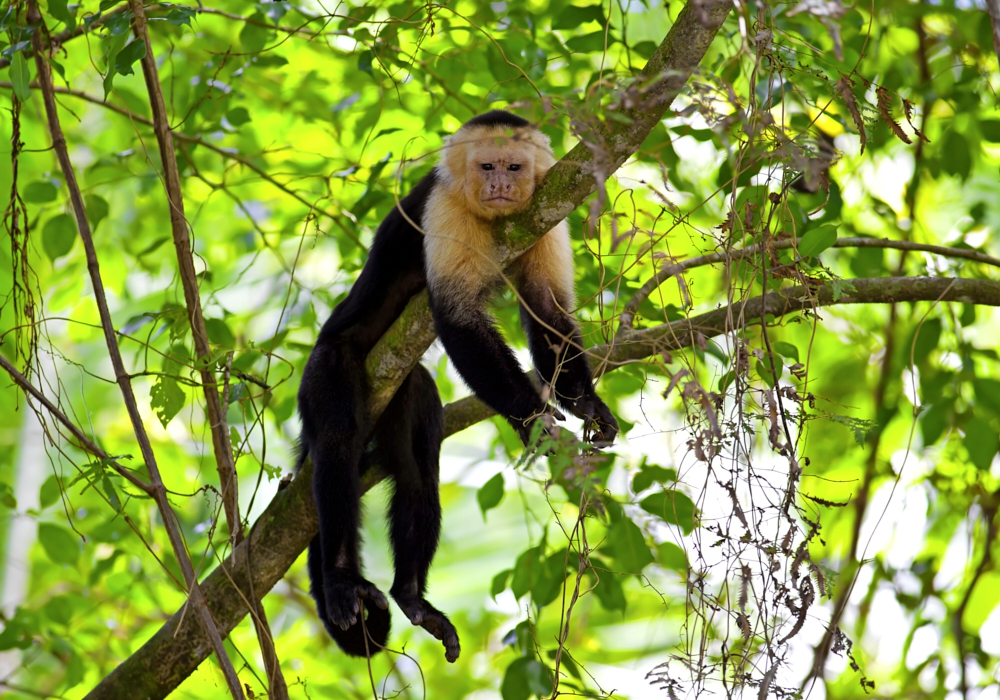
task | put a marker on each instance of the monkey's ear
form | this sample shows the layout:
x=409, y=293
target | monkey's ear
x=452, y=166
x=544, y=158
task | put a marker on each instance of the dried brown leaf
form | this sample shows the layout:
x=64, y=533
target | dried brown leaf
x=885, y=111
x=845, y=88
x=908, y=111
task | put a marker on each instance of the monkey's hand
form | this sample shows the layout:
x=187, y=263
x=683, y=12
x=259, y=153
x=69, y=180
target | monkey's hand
x=599, y=426
x=547, y=417
x=344, y=596
x=423, y=614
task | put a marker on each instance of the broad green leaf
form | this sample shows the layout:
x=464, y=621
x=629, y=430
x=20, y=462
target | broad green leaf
x=58, y=236
x=817, y=240
x=60, y=545
x=572, y=17
x=672, y=507
x=114, y=45
x=651, y=474
x=525, y=571
x=254, y=37
x=219, y=333
x=499, y=583
x=627, y=546
x=609, y=591
x=491, y=493
x=40, y=192
x=135, y=51
x=20, y=76
x=515, y=680
x=981, y=441
x=49, y=492
x=166, y=399
x=672, y=557
x=238, y=116
x=62, y=12
x=785, y=349
x=97, y=209
x=928, y=335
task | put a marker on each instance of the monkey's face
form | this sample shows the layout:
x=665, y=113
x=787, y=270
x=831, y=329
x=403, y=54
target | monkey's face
x=500, y=177
x=496, y=170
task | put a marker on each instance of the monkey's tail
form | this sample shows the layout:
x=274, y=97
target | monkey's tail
x=352, y=640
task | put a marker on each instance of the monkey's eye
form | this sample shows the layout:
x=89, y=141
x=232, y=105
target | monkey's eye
x=513, y=166
x=487, y=166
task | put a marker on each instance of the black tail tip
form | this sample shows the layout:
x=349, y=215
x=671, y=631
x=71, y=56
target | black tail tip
x=352, y=640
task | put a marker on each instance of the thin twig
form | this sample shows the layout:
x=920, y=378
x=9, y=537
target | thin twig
x=156, y=488
x=225, y=464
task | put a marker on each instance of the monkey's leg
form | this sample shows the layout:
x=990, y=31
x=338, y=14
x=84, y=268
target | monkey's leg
x=408, y=438
x=334, y=427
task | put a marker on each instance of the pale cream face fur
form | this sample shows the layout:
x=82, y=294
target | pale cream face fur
x=496, y=167
x=462, y=257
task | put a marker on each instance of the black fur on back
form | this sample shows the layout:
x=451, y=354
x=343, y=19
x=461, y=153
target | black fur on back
x=498, y=117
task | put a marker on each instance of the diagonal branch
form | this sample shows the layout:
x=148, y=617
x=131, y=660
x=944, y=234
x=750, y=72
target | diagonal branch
x=225, y=464
x=156, y=488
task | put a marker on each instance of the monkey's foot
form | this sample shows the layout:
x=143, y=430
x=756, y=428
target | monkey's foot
x=423, y=614
x=344, y=596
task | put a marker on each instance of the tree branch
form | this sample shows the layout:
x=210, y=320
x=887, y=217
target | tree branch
x=222, y=449
x=155, y=488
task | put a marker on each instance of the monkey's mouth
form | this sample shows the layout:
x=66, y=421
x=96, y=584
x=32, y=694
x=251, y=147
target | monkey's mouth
x=500, y=202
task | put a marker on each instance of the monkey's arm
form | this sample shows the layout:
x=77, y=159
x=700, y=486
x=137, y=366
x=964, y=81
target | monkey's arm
x=483, y=358
x=544, y=277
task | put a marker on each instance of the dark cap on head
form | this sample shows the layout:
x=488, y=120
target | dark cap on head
x=498, y=117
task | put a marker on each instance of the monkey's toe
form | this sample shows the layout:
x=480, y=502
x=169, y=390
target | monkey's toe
x=344, y=598
x=423, y=614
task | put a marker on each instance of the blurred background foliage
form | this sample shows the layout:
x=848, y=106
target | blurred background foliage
x=298, y=125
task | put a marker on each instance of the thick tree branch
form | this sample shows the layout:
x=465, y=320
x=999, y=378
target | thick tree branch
x=155, y=488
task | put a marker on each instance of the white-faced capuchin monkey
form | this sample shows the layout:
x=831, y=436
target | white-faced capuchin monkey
x=489, y=169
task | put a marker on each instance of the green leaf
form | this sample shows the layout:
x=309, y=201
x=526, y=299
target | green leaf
x=786, y=350
x=166, y=399
x=135, y=51
x=219, y=333
x=180, y=15
x=515, y=680
x=115, y=44
x=628, y=547
x=60, y=608
x=49, y=493
x=20, y=76
x=97, y=209
x=499, y=583
x=253, y=37
x=7, y=498
x=238, y=116
x=928, y=334
x=934, y=421
x=868, y=262
x=990, y=129
x=987, y=393
x=40, y=192
x=110, y=492
x=817, y=240
x=60, y=10
x=526, y=571
x=60, y=545
x=981, y=441
x=572, y=17
x=672, y=557
x=58, y=236
x=651, y=474
x=673, y=507
x=491, y=493
x=609, y=591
